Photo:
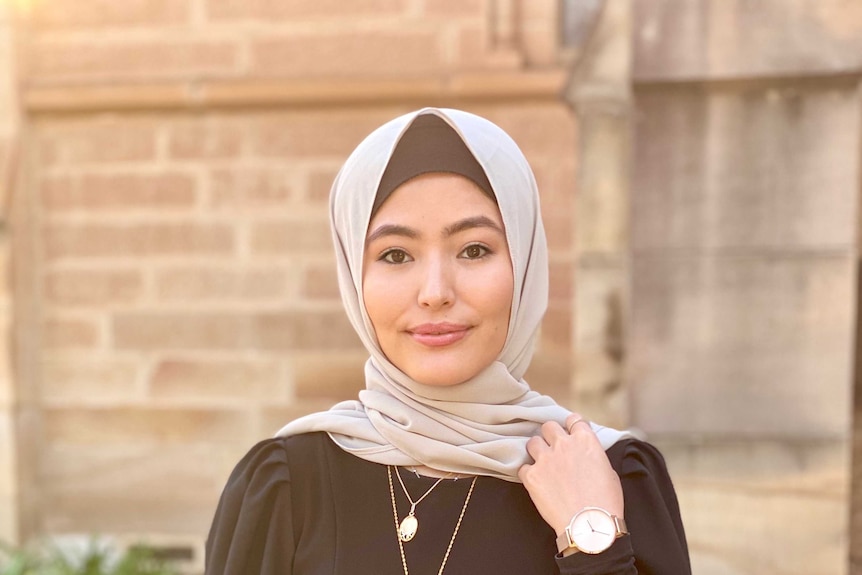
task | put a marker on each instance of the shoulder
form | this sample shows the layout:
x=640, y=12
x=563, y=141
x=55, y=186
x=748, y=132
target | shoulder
x=633, y=457
x=268, y=463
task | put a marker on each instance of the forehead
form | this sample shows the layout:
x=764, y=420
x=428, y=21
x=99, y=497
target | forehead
x=437, y=196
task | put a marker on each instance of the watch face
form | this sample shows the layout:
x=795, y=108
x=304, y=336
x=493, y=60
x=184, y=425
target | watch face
x=593, y=530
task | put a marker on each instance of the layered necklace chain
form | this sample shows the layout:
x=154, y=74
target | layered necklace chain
x=407, y=528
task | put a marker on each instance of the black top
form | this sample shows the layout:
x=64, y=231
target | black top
x=302, y=506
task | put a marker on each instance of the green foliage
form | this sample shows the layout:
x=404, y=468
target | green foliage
x=97, y=559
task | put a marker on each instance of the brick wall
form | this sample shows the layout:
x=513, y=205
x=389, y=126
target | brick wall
x=175, y=276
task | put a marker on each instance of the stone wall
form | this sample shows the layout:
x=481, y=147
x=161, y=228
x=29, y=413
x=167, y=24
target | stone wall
x=175, y=290
x=744, y=247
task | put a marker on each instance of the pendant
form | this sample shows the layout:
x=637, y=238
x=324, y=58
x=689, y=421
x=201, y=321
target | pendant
x=408, y=528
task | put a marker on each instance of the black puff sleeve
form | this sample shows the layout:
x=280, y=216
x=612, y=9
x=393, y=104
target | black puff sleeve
x=256, y=498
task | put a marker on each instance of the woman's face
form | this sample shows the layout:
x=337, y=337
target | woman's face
x=437, y=279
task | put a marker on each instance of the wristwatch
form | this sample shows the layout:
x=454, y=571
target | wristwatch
x=592, y=530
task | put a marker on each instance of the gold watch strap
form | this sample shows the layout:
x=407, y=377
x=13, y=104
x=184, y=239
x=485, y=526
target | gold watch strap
x=565, y=543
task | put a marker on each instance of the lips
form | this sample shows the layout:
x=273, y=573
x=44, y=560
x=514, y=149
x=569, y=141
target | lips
x=438, y=334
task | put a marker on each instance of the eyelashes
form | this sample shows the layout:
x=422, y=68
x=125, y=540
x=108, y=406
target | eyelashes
x=399, y=256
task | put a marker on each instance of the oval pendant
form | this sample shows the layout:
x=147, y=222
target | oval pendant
x=408, y=528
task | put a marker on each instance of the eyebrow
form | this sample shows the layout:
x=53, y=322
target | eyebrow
x=457, y=227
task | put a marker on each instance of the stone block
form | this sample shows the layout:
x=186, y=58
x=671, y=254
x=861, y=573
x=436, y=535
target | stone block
x=684, y=39
x=89, y=380
x=110, y=60
x=472, y=9
x=315, y=135
x=395, y=53
x=206, y=139
x=756, y=167
x=252, y=190
x=64, y=15
x=603, y=188
x=742, y=344
x=273, y=11
x=9, y=491
x=291, y=237
x=93, y=287
x=102, y=141
x=561, y=278
x=200, y=283
x=328, y=376
x=96, y=240
x=118, y=192
x=131, y=489
x=144, y=426
x=226, y=381
x=67, y=333
x=320, y=184
x=320, y=282
x=763, y=506
x=274, y=331
x=557, y=329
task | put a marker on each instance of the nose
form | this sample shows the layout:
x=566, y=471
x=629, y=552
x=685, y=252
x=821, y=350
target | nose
x=437, y=289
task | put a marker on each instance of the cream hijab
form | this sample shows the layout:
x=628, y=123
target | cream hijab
x=482, y=425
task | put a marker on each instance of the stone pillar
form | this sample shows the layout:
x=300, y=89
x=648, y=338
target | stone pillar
x=9, y=120
x=601, y=96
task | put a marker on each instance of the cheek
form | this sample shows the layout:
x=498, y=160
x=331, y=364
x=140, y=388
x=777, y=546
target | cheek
x=379, y=296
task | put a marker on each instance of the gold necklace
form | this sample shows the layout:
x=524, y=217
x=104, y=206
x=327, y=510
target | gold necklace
x=407, y=529
x=398, y=526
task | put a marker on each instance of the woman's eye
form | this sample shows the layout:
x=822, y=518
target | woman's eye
x=475, y=252
x=395, y=256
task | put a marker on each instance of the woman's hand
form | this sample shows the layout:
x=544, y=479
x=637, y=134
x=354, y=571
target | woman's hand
x=571, y=471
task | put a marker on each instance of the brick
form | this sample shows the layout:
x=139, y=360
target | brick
x=125, y=191
x=93, y=287
x=205, y=139
x=140, y=488
x=193, y=283
x=71, y=380
x=560, y=230
x=252, y=189
x=474, y=9
x=308, y=330
x=328, y=375
x=320, y=282
x=291, y=237
x=70, y=333
x=300, y=330
x=527, y=124
x=111, y=61
x=551, y=373
x=557, y=328
x=142, y=426
x=99, y=14
x=416, y=53
x=138, y=240
x=562, y=279
x=208, y=380
x=274, y=10
x=106, y=141
x=331, y=134
x=320, y=185
x=275, y=417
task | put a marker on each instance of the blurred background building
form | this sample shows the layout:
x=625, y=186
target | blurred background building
x=168, y=295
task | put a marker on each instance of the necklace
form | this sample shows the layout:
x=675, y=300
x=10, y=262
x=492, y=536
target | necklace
x=407, y=529
x=398, y=526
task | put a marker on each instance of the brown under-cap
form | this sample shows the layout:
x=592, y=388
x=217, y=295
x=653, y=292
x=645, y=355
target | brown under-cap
x=429, y=145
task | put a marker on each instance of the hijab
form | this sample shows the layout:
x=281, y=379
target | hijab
x=480, y=426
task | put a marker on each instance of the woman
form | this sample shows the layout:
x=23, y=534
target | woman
x=447, y=461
